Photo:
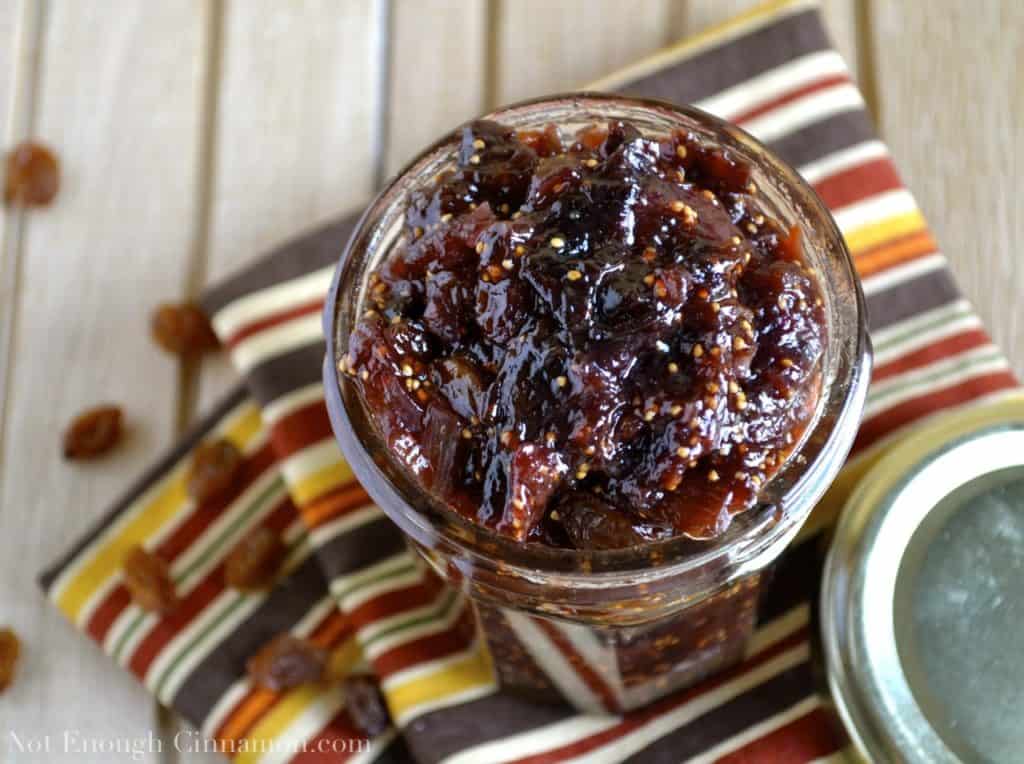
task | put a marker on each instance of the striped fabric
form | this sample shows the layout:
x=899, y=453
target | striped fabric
x=354, y=587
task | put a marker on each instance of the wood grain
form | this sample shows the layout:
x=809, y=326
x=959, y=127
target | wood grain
x=437, y=73
x=543, y=47
x=297, y=134
x=953, y=115
x=119, y=104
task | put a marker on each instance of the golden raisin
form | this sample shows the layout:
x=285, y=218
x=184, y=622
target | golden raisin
x=286, y=662
x=148, y=579
x=216, y=467
x=10, y=651
x=183, y=329
x=254, y=563
x=93, y=432
x=33, y=175
x=365, y=704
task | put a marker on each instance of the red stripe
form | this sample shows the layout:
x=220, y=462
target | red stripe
x=273, y=320
x=812, y=736
x=334, y=504
x=939, y=349
x=428, y=648
x=301, y=428
x=211, y=587
x=584, y=670
x=858, y=183
x=890, y=420
x=392, y=603
x=792, y=95
x=194, y=525
x=637, y=719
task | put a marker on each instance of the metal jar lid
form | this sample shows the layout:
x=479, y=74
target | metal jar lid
x=922, y=604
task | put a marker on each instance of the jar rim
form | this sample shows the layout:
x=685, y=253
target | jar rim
x=431, y=522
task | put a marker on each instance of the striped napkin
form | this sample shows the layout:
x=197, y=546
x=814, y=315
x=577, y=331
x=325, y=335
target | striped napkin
x=354, y=588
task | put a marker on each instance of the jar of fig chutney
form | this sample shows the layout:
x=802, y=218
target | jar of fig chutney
x=608, y=563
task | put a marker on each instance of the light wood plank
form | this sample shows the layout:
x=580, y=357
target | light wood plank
x=544, y=47
x=953, y=115
x=437, y=72
x=119, y=102
x=298, y=129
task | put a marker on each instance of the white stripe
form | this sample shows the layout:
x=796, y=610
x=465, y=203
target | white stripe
x=307, y=726
x=631, y=743
x=903, y=273
x=917, y=340
x=920, y=320
x=311, y=459
x=279, y=340
x=917, y=375
x=946, y=379
x=347, y=522
x=843, y=160
x=535, y=741
x=257, y=306
x=847, y=755
x=431, y=610
x=588, y=646
x=774, y=83
x=435, y=626
x=366, y=593
x=426, y=668
x=224, y=706
x=869, y=211
x=288, y=403
x=551, y=661
x=381, y=568
x=811, y=108
x=778, y=629
x=757, y=731
x=125, y=620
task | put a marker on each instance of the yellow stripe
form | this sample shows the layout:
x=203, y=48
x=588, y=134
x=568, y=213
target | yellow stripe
x=170, y=501
x=314, y=485
x=693, y=44
x=472, y=671
x=871, y=235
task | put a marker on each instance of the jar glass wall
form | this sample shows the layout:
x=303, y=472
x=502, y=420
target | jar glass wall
x=637, y=622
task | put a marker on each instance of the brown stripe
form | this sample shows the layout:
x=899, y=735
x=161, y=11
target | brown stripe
x=733, y=61
x=359, y=547
x=155, y=473
x=902, y=301
x=823, y=138
x=439, y=734
x=814, y=735
x=281, y=374
x=286, y=605
x=295, y=257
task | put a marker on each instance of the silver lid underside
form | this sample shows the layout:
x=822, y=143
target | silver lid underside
x=923, y=608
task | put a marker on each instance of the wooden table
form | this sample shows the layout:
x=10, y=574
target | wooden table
x=195, y=134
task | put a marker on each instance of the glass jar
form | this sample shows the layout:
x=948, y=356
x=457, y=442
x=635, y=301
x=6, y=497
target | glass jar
x=612, y=629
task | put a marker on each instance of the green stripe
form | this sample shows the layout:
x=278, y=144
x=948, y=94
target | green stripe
x=936, y=376
x=959, y=311
x=407, y=567
x=239, y=600
x=442, y=611
x=243, y=517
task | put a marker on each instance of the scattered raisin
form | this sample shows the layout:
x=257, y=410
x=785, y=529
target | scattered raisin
x=10, y=651
x=93, y=432
x=365, y=704
x=33, y=175
x=254, y=563
x=286, y=662
x=149, y=581
x=216, y=467
x=183, y=329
